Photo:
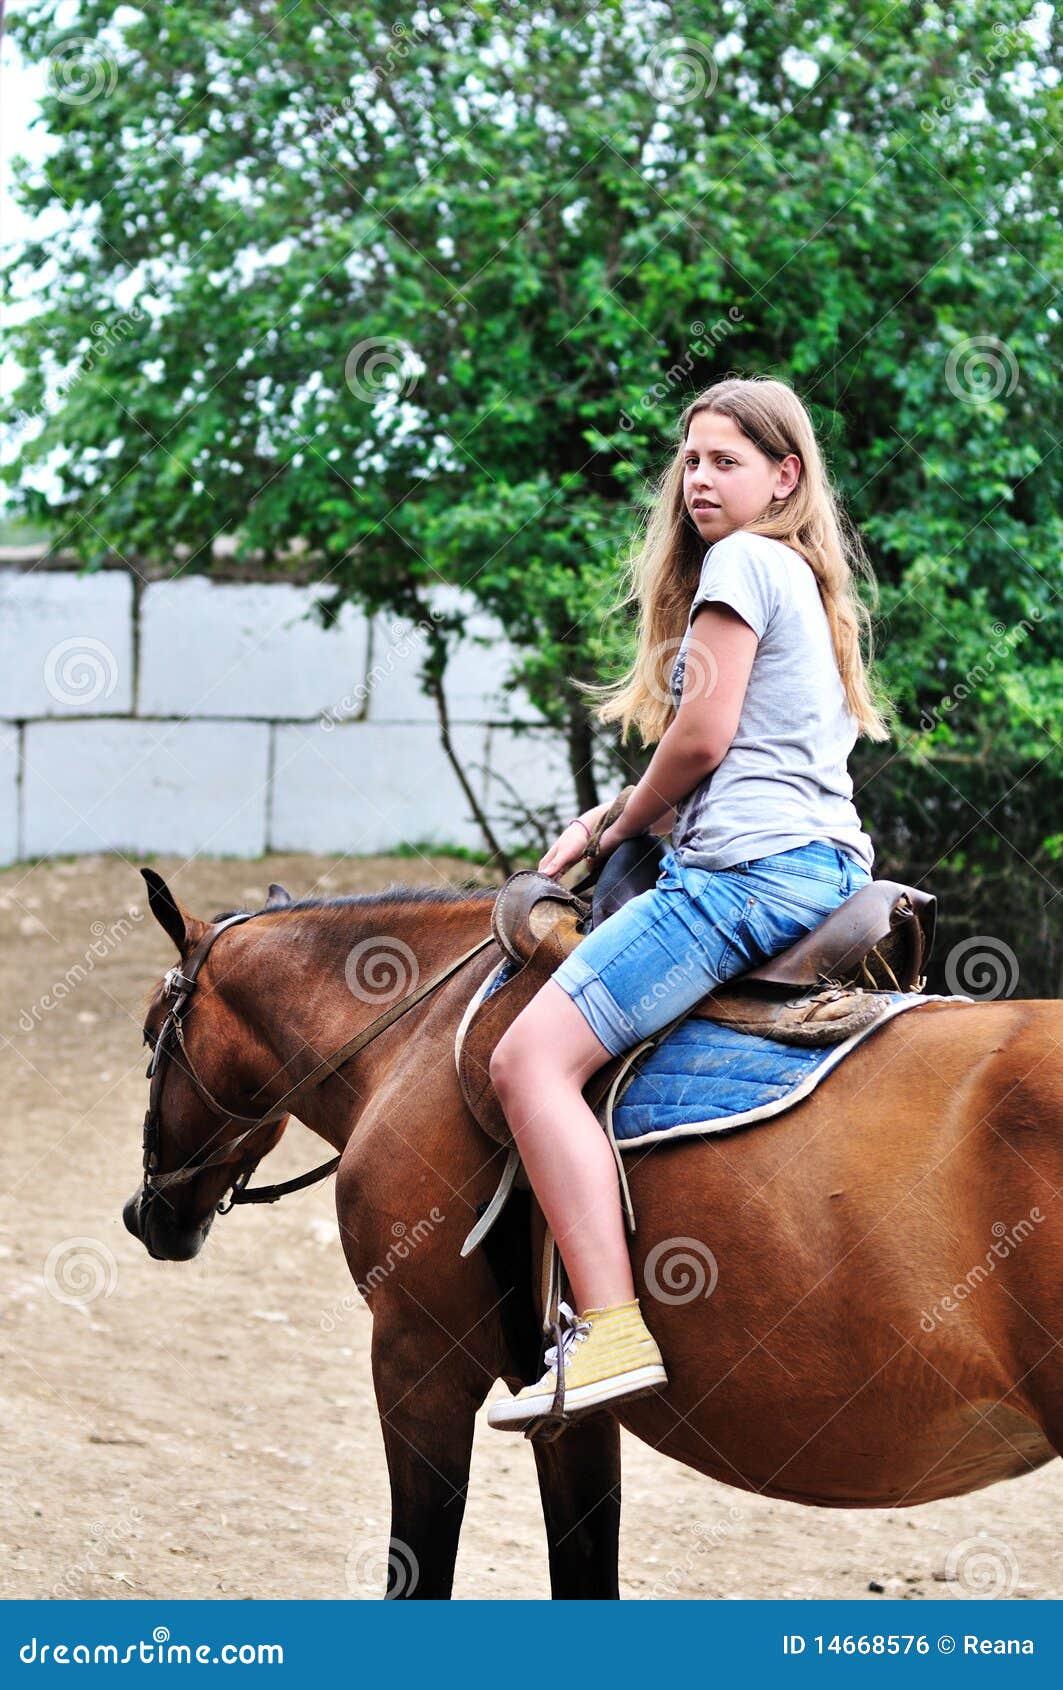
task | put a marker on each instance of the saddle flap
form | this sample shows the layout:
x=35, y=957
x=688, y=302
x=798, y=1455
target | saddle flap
x=487, y=1022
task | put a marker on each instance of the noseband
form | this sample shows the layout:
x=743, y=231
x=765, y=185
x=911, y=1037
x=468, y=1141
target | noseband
x=181, y=985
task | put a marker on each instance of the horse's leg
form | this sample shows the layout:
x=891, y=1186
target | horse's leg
x=579, y=1482
x=428, y=1391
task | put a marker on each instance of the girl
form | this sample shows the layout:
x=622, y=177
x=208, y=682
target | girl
x=749, y=679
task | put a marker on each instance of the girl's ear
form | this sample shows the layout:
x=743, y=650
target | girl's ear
x=788, y=477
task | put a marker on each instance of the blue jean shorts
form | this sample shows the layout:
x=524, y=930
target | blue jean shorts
x=664, y=950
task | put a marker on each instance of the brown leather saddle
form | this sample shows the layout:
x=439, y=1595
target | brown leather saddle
x=818, y=991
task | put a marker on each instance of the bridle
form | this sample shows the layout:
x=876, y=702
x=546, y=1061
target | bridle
x=180, y=984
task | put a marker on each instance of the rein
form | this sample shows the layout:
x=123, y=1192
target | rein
x=172, y=1033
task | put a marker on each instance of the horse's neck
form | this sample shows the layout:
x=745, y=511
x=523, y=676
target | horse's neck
x=353, y=966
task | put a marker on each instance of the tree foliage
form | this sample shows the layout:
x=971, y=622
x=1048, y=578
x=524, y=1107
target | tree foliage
x=427, y=290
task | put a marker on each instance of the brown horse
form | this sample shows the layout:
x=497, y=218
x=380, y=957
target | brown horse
x=859, y=1302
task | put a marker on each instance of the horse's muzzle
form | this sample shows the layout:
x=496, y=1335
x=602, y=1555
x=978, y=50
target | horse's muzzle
x=160, y=1238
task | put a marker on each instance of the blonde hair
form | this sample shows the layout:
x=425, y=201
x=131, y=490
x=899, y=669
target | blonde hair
x=665, y=569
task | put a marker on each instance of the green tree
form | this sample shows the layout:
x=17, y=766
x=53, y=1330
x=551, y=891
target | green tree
x=425, y=291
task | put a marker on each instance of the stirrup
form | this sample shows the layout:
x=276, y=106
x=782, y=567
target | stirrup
x=546, y=1427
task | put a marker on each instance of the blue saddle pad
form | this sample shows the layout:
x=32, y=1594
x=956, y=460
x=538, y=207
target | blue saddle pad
x=705, y=1077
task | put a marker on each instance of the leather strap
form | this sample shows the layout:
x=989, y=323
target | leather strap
x=614, y=811
x=380, y=1024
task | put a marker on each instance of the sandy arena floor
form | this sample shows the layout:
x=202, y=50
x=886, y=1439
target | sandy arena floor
x=190, y=1430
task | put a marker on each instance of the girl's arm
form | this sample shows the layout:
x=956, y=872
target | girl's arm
x=665, y=822
x=718, y=664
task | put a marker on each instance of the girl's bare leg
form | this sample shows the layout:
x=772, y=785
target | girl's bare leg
x=539, y=1069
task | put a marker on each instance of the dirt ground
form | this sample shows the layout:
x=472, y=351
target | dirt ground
x=208, y=1428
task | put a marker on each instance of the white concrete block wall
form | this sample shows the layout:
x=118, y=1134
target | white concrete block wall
x=9, y=793
x=66, y=644
x=220, y=649
x=369, y=786
x=198, y=716
x=530, y=769
x=189, y=787
x=476, y=685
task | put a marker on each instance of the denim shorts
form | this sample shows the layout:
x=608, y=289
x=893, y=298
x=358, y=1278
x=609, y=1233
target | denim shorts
x=664, y=950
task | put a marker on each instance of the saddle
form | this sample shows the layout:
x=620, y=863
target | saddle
x=821, y=990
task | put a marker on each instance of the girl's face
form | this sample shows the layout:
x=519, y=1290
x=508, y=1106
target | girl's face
x=727, y=481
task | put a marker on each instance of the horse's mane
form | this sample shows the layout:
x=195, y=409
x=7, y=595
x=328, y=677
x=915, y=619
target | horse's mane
x=391, y=895
x=395, y=894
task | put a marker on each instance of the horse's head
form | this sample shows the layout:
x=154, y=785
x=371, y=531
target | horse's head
x=204, y=1129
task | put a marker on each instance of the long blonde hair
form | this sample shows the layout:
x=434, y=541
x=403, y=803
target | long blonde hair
x=665, y=568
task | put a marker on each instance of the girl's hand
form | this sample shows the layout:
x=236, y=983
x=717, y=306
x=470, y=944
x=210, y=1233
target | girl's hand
x=568, y=848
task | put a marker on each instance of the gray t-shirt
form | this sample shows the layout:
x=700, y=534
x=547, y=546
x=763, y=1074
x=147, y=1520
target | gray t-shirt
x=784, y=781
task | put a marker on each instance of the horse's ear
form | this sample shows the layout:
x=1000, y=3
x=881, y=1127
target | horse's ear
x=278, y=896
x=184, y=929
